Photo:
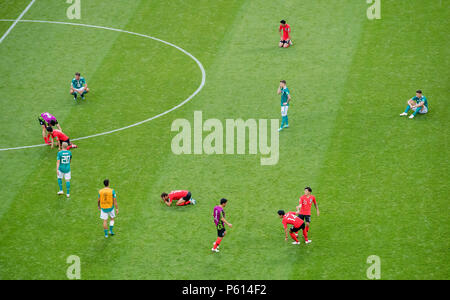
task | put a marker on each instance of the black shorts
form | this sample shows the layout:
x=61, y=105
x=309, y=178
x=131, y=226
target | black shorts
x=220, y=230
x=285, y=41
x=306, y=218
x=187, y=197
x=295, y=229
x=66, y=141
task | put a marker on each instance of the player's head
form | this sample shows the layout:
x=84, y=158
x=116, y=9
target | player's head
x=283, y=83
x=106, y=182
x=49, y=129
x=281, y=213
x=52, y=122
x=164, y=196
x=283, y=23
x=65, y=145
x=419, y=93
x=308, y=190
x=77, y=75
x=223, y=202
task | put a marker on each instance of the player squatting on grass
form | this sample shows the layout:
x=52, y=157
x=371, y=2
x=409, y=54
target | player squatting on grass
x=78, y=86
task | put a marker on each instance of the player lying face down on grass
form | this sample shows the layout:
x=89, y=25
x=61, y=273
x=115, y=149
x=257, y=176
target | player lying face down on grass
x=78, y=86
x=182, y=197
x=219, y=221
x=418, y=103
x=61, y=137
x=285, y=34
x=48, y=120
x=297, y=224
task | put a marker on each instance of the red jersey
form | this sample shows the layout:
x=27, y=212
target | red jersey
x=177, y=195
x=291, y=218
x=306, y=204
x=61, y=136
x=286, y=31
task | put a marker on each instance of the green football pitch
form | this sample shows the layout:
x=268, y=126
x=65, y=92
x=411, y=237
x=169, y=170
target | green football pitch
x=381, y=181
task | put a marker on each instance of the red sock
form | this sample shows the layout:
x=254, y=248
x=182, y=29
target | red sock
x=293, y=236
x=217, y=243
x=305, y=234
x=307, y=228
x=69, y=147
x=184, y=203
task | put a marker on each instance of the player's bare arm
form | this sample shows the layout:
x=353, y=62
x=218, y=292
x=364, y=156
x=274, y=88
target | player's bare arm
x=117, y=207
x=225, y=221
x=317, y=208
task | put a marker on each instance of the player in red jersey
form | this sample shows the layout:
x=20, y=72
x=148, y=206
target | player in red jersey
x=285, y=34
x=61, y=138
x=304, y=207
x=297, y=224
x=182, y=197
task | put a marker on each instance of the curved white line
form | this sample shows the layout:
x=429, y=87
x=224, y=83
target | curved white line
x=133, y=33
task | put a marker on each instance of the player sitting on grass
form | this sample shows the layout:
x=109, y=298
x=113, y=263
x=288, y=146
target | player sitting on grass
x=61, y=137
x=78, y=86
x=297, y=224
x=418, y=104
x=182, y=197
x=46, y=119
x=63, y=168
x=107, y=201
x=285, y=34
x=219, y=220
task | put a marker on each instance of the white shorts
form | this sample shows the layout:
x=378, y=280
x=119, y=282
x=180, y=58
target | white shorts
x=284, y=110
x=424, y=110
x=80, y=90
x=65, y=175
x=104, y=215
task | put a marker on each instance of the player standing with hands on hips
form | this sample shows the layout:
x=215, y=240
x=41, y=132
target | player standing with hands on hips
x=285, y=99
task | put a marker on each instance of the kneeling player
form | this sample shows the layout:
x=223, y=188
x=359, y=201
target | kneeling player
x=285, y=34
x=182, y=198
x=46, y=119
x=61, y=138
x=297, y=224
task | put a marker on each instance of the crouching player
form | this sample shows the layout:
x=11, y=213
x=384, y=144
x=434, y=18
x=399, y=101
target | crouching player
x=78, y=86
x=107, y=201
x=61, y=137
x=63, y=160
x=46, y=119
x=297, y=224
x=219, y=220
x=182, y=198
x=418, y=103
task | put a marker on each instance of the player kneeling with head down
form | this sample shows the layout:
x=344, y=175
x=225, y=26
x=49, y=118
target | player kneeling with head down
x=61, y=138
x=285, y=35
x=182, y=198
x=297, y=224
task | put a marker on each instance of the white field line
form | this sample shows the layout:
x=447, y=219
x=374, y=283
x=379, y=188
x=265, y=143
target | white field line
x=133, y=33
x=16, y=21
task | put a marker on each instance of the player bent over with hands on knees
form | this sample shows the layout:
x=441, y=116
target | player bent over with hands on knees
x=297, y=224
x=48, y=120
x=182, y=197
x=107, y=201
x=219, y=221
x=418, y=103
